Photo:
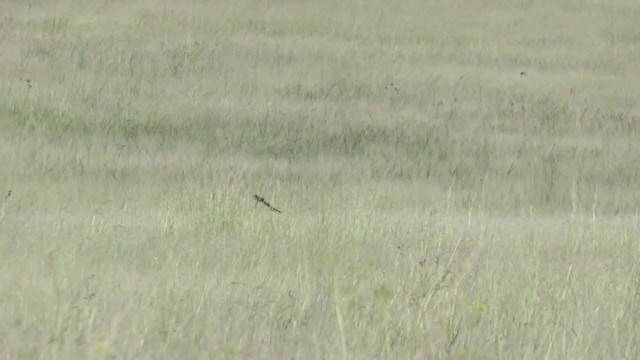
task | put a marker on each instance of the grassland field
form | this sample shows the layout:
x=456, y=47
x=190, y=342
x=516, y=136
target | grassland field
x=459, y=179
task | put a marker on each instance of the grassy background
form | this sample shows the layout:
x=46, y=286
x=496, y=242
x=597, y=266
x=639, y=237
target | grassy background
x=438, y=204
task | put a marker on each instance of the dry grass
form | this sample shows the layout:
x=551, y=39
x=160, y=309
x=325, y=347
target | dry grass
x=437, y=203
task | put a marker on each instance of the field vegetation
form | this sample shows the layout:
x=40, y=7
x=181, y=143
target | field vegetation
x=459, y=179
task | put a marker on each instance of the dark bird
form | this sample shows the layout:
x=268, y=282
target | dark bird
x=260, y=199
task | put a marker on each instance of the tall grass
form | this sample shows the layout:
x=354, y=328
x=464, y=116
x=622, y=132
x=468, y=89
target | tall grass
x=458, y=180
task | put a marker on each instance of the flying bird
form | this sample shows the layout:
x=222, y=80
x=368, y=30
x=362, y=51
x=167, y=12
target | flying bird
x=260, y=199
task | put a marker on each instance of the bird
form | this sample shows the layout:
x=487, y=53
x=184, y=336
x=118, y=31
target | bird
x=260, y=199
